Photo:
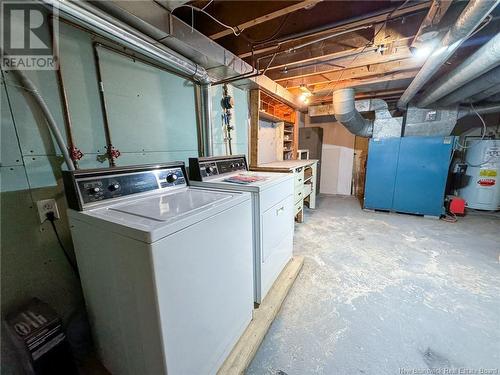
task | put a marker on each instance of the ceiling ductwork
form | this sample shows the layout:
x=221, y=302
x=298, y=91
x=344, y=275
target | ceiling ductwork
x=471, y=17
x=483, y=60
x=96, y=20
x=486, y=94
x=482, y=110
x=347, y=112
x=489, y=80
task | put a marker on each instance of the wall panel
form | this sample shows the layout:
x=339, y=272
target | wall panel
x=148, y=109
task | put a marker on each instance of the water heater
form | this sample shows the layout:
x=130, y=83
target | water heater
x=483, y=167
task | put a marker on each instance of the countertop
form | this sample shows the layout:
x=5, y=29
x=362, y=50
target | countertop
x=284, y=165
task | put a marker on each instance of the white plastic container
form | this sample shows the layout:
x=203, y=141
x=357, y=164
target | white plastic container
x=483, y=160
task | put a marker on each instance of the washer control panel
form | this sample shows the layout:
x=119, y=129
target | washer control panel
x=90, y=188
x=202, y=168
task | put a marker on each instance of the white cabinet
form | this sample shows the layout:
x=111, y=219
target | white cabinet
x=304, y=189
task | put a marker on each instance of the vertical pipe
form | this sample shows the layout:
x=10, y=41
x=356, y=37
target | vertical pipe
x=63, y=95
x=199, y=120
x=31, y=89
x=104, y=111
x=206, y=104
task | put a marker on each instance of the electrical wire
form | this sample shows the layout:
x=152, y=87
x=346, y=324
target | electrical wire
x=450, y=217
x=51, y=218
x=269, y=38
x=367, y=44
x=484, y=129
x=235, y=30
x=476, y=143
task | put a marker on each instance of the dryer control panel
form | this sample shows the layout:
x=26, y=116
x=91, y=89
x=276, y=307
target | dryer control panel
x=86, y=188
x=202, y=168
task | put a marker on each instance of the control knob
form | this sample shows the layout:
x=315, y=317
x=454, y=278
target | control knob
x=114, y=187
x=95, y=190
x=209, y=170
x=171, y=178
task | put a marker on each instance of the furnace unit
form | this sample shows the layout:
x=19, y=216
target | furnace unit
x=408, y=174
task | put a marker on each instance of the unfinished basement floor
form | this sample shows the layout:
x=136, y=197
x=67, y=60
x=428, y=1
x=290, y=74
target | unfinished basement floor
x=384, y=293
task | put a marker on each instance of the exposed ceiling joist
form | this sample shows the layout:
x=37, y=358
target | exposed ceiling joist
x=364, y=71
x=314, y=54
x=436, y=12
x=172, y=4
x=266, y=17
x=388, y=95
x=350, y=24
x=385, y=82
x=332, y=65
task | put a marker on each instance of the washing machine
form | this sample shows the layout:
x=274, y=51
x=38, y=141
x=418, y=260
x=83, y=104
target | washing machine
x=166, y=268
x=273, y=211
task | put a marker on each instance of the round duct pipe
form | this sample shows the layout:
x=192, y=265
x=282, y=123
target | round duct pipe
x=471, y=17
x=483, y=60
x=347, y=114
x=467, y=91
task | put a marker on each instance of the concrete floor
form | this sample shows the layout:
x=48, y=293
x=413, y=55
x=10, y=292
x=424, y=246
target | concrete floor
x=388, y=294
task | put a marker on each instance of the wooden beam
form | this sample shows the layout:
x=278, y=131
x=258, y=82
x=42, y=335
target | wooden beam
x=245, y=349
x=384, y=81
x=356, y=72
x=366, y=21
x=436, y=12
x=266, y=17
x=397, y=37
x=254, y=126
x=383, y=94
x=365, y=64
x=323, y=51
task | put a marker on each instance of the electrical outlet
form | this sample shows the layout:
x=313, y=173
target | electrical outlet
x=45, y=206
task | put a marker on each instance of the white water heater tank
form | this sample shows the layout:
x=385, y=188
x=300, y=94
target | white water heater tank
x=483, y=166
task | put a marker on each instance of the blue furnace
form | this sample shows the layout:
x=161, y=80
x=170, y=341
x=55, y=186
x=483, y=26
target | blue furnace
x=408, y=174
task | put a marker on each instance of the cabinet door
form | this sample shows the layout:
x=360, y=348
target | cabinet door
x=277, y=241
x=421, y=176
x=381, y=173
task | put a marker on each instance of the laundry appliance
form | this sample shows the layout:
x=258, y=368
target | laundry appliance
x=166, y=268
x=273, y=211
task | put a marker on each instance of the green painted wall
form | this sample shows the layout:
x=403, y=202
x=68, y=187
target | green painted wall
x=152, y=119
x=240, y=121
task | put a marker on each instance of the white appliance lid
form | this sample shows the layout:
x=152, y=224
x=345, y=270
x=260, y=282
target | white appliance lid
x=167, y=207
x=268, y=179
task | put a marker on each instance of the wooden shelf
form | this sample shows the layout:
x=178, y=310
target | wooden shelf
x=269, y=117
x=264, y=141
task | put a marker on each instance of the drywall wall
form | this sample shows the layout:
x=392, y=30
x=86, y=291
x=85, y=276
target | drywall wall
x=152, y=119
x=337, y=155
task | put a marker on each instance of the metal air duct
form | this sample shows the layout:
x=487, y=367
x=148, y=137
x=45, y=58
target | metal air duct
x=98, y=21
x=347, y=114
x=469, y=19
x=489, y=92
x=486, y=81
x=482, y=110
x=485, y=59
